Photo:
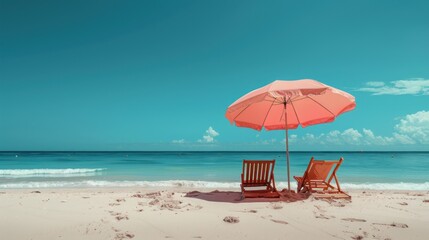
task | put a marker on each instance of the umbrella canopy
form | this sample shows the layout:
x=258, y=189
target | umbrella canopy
x=289, y=104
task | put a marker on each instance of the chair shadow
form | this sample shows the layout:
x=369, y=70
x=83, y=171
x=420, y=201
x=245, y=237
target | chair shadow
x=235, y=197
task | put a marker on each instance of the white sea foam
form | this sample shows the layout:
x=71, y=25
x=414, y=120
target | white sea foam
x=387, y=186
x=200, y=184
x=47, y=172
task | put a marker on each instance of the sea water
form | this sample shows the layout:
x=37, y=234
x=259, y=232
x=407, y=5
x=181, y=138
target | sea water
x=360, y=170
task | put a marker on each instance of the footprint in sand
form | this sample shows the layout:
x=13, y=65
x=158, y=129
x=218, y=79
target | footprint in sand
x=152, y=195
x=119, y=216
x=231, y=219
x=125, y=235
x=320, y=208
x=338, y=203
x=137, y=195
x=321, y=214
x=353, y=219
x=171, y=205
x=154, y=202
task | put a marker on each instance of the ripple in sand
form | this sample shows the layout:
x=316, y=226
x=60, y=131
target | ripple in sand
x=279, y=221
x=398, y=225
x=323, y=216
x=353, y=219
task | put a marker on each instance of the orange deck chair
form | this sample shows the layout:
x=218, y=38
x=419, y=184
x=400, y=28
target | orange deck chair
x=319, y=175
x=259, y=175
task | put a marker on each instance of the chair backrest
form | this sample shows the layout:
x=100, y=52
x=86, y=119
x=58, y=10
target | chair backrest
x=258, y=171
x=321, y=169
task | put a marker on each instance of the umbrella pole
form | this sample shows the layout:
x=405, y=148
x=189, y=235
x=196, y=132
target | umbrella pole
x=287, y=150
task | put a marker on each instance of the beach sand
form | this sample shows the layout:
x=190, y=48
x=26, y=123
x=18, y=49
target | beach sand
x=177, y=213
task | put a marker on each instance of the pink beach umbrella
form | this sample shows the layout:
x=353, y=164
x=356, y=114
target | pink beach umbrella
x=288, y=104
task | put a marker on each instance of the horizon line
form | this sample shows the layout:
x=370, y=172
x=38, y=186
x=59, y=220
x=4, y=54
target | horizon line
x=146, y=151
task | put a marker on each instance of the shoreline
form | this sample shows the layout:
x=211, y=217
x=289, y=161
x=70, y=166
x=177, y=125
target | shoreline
x=209, y=213
x=98, y=184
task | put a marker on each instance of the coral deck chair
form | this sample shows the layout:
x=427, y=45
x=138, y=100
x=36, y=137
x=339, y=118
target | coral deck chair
x=257, y=179
x=318, y=177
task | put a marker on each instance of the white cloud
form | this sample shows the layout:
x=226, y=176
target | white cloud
x=415, y=127
x=403, y=139
x=212, y=132
x=210, y=135
x=414, y=86
x=267, y=141
x=292, y=138
x=179, y=141
x=375, y=84
x=371, y=139
x=351, y=136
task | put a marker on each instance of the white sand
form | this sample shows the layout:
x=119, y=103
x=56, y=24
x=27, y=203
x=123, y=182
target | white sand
x=130, y=213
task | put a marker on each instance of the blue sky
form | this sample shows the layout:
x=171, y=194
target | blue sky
x=159, y=75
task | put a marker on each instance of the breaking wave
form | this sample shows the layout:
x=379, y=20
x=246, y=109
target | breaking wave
x=200, y=184
x=47, y=172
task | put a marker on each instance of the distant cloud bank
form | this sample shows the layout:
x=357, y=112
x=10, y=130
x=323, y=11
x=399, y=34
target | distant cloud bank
x=179, y=141
x=414, y=86
x=411, y=129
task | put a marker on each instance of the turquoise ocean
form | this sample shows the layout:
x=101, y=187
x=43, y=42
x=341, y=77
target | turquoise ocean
x=360, y=170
